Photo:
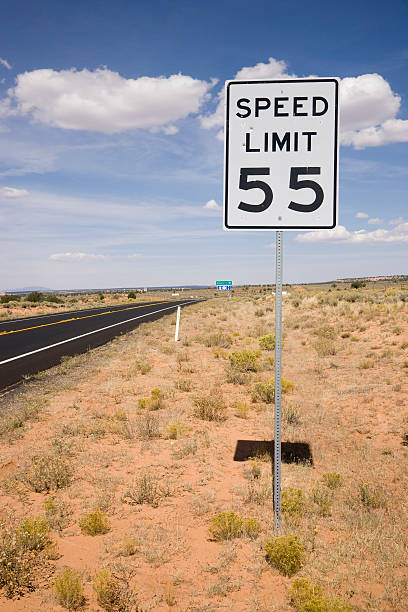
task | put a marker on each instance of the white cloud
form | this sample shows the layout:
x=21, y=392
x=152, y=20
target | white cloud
x=368, y=106
x=361, y=215
x=375, y=221
x=76, y=257
x=273, y=69
x=368, y=109
x=212, y=205
x=5, y=63
x=12, y=192
x=398, y=234
x=272, y=245
x=135, y=256
x=392, y=130
x=396, y=221
x=365, y=101
x=104, y=101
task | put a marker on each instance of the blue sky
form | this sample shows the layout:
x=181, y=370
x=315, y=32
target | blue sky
x=111, y=152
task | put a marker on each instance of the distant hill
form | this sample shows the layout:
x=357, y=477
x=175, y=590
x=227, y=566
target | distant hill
x=29, y=289
x=394, y=277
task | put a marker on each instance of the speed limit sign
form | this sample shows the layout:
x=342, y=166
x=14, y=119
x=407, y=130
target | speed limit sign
x=281, y=173
x=281, y=154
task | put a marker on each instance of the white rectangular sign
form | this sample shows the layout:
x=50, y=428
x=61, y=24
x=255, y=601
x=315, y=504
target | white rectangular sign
x=281, y=154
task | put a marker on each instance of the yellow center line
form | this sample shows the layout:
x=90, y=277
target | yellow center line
x=99, y=314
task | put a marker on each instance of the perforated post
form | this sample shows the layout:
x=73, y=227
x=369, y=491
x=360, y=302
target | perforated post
x=278, y=385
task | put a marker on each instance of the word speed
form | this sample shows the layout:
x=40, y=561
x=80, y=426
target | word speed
x=281, y=154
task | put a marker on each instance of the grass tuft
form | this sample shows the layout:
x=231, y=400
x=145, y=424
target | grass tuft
x=372, y=497
x=323, y=498
x=333, y=480
x=241, y=409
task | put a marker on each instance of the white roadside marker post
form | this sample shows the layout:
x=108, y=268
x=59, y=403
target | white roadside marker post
x=278, y=386
x=176, y=335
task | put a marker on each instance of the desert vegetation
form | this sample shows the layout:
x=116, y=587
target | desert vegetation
x=138, y=476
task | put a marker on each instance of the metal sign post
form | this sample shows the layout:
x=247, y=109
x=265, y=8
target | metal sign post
x=278, y=385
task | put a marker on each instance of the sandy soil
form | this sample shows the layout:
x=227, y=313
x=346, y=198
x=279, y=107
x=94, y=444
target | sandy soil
x=349, y=365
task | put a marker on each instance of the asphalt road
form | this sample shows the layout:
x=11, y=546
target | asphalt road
x=32, y=344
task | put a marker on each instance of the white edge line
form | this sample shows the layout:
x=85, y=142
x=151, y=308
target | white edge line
x=44, y=348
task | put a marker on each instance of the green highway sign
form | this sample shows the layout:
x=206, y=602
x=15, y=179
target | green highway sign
x=223, y=282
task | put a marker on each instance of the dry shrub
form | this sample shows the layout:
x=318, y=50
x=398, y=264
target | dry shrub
x=251, y=528
x=113, y=593
x=57, y=513
x=154, y=402
x=258, y=492
x=293, y=504
x=265, y=391
x=12, y=421
x=143, y=366
x=148, y=426
x=25, y=548
x=68, y=589
x=146, y=489
x=46, y=472
x=267, y=343
x=308, y=597
x=219, y=339
x=291, y=414
x=323, y=498
x=94, y=523
x=372, y=497
x=286, y=553
x=225, y=526
x=324, y=347
x=175, y=430
x=183, y=384
x=186, y=448
x=333, y=480
x=202, y=503
x=230, y=525
x=235, y=377
x=255, y=469
x=32, y=534
x=326, y=331
x=244, y=361
x=210, y=407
